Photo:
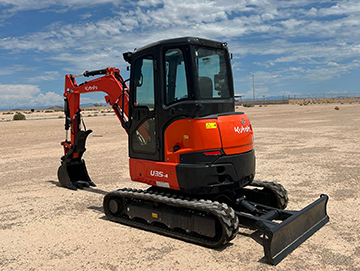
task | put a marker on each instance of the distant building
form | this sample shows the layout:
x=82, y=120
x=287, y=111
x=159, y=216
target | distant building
x=238, y=97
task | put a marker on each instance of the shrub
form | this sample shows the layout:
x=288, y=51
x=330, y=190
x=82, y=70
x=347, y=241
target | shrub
x=19, y=116
x=248, y=105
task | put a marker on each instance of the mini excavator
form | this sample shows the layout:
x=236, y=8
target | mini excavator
x=186, y=142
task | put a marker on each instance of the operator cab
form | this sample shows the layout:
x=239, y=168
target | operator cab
x=174, y=79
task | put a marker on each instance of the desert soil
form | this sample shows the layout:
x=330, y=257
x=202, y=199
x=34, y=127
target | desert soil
x=311, y=150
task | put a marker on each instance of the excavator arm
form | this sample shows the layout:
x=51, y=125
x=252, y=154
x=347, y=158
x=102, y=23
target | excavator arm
x=72, y=173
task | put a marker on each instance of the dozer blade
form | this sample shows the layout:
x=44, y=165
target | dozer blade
x=280, y=239
x=74, y=175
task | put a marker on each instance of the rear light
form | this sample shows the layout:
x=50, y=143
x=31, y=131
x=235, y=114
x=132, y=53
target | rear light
x=212, y=153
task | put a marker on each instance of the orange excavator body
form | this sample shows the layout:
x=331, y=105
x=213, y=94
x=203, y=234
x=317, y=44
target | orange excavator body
x=187, y=142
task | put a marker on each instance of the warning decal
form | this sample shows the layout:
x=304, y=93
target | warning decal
x=211, y=125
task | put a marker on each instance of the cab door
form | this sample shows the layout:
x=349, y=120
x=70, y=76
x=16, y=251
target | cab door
x=143, y=132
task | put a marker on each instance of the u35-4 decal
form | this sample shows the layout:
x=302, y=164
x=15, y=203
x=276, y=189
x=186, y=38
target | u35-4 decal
x=160, y=174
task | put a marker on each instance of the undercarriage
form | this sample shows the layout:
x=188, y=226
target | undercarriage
x=214, y=222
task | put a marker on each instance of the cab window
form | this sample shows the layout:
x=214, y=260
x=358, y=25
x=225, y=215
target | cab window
x=175, y=73
x=212, y=73
x=144, y=82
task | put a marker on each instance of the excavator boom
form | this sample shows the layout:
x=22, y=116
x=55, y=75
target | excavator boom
x=73, y=173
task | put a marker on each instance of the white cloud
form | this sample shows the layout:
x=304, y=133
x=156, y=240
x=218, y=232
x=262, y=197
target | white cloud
x=298, y=34
x=331, y=71
x=20, y=5
x=341, y=8
x=97, y=60
x=138, y=26
x=46, y=76
x=49, y=98
x=85, y=16
x=14, y=69
x=27, y=96
x=293, y=23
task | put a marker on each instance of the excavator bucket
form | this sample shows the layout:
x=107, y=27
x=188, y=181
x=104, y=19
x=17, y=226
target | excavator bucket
x=280, y=239
x=74, y=175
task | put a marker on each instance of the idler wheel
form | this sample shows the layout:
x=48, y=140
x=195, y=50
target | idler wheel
x=116, y=206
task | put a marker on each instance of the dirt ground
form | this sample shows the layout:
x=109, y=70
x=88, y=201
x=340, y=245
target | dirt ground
x=311, y=150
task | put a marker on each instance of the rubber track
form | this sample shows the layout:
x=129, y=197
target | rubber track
x=225, y=214
x=278, y=190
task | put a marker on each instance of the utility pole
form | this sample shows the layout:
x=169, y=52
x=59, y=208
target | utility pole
x=253, y=86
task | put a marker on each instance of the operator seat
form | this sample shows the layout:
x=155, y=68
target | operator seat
x=206, y=87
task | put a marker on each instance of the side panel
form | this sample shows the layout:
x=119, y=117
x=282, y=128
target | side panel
x=190, y=135
x=154, y=173
x=236, y=133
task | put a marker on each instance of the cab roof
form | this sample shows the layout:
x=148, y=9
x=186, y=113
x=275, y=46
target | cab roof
x=176, y=41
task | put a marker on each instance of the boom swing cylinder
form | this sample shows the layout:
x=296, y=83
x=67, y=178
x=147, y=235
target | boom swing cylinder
x=187, y=142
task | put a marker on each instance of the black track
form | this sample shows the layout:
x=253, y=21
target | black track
x=225, y=216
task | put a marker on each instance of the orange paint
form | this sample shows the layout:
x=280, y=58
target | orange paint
x=154, y=173
x=191, y=135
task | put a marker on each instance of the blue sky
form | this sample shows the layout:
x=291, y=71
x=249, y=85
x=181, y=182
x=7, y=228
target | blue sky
x=291, y=47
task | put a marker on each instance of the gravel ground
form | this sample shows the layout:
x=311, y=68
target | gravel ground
x=311, y=150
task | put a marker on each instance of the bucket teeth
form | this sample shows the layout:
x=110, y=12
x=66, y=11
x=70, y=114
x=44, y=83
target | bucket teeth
x=82, y=184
